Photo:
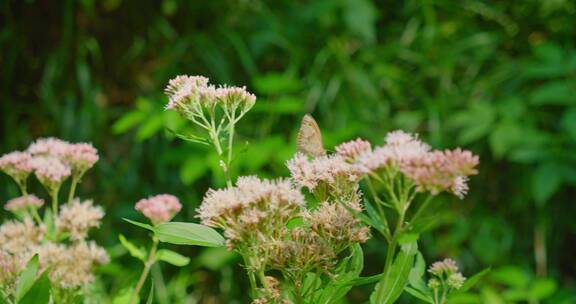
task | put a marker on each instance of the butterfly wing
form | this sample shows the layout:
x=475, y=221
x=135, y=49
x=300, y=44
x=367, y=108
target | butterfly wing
x=310, y=138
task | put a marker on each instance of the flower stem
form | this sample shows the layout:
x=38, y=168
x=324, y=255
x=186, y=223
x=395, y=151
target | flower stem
x=149, y=262
x=75, y=181
x=54, y=196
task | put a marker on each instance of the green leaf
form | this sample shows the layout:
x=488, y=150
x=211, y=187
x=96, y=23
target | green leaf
x=39, y=293
x=192, y=169
x=470, y=282
x=172, y=257
x=124, y=296
x=134, y=251
x=128, y=121
x=396, y=276
x=553, y=93
x=141, y=225
x=542, y=289
x=416, y=276
x=180, y=233
x=505, y=136
x=546, y=180
x=151, y=294
x=419, y=294
x=360, y=17
x=27, y=278
x=346, y=273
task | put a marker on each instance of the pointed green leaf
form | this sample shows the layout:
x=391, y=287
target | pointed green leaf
x=180, y=233
x=27, y=278
x=172, y=257
x=396, y=276
x=134, y=251
x=141, y=225
x=39, y=293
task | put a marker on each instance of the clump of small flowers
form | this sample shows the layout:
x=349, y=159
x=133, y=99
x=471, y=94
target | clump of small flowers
x=287, y=238
x=255, y=215
x=160, y=208
x=60, y=237
x=445, y=278
x=215, y=110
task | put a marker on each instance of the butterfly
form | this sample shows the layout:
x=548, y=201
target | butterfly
x=310, y=138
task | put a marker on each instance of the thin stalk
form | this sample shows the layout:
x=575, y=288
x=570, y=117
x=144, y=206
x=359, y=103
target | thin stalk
x=35, y=215
x=422, y=207
x=230, y=147
x=54, y=197
x=149, y=262
x=251, y=278
x=390, y=252
x=75, y=181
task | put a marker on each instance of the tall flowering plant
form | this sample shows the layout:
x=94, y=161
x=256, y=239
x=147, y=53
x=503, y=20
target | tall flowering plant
x=47, y=256
x=299, y=248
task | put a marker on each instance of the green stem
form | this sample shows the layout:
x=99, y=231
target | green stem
x=54, y=197
x=75, y=181
x=149, y=262
x=230, y=153
x=35, y=215
x=421, y=209
x=390, y=252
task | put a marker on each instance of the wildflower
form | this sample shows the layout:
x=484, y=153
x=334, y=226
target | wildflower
x=24, y=203
x=8, y=269
x=160, y=208
x=76, y=218
x=455, y=280
x=181, y=87
x=17, y=165
x=336, y=224
x=434, y=283
x=20, y=237
x=49, y=146
x=444, y=267
x=330, y=170
x=71, y=266
x=190, y=94
x=253, y=206
x=302, y=252
x=352, y=149
x=399, y=148
x=50, y=171
x=80, y=157
x=442, y=171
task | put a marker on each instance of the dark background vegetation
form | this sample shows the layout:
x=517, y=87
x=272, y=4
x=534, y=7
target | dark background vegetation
x=495, y=77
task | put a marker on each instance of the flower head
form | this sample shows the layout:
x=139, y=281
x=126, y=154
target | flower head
x=182, y=87
x=76, y=218
x=16, y=164
x=50, y=171
x=20, y=237
x=24, y=203
x=251, y=207
x=160, y=208
x=71, y=266
x=332, y=169
x=442, y=171
x=352, y=149
x=455, y=280
x=49, y=146
x=81, y=157
x=446, y=266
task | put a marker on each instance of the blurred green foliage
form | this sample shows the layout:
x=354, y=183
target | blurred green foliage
x=496, y=77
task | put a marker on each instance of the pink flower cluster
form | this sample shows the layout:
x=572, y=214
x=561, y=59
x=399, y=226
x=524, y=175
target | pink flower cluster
x=79, y=156
x=50, y=171
x=16, y=164
x=160, y=208
x=191, y=91
x=432, y=171
x=442, y=170
x=352, y=149
x=330, y=169
x=23, y=203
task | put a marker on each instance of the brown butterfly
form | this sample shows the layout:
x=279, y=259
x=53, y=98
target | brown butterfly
x=310, y=138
